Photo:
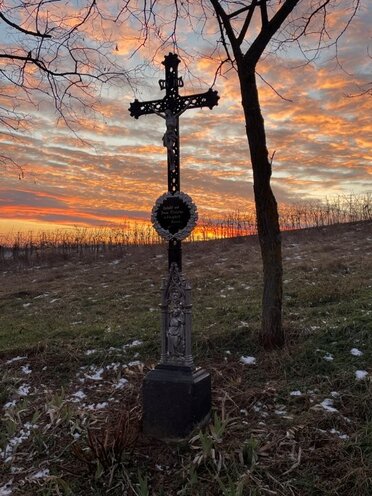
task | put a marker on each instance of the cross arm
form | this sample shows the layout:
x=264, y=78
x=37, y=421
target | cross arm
x=177, y=105
x=137, y=108
x=208, y=99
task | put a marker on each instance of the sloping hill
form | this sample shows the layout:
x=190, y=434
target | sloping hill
x=77, y=338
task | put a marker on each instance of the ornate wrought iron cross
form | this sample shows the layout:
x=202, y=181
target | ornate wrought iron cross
x=170, y=108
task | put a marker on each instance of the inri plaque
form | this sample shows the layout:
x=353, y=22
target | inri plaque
x=174, y=215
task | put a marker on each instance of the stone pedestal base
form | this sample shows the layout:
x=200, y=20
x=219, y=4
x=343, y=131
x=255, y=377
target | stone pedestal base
x=175, y=401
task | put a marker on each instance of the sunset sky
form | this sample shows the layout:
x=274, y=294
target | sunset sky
x=114, y=167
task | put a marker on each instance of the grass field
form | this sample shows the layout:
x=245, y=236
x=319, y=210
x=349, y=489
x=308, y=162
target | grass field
x=77, y=337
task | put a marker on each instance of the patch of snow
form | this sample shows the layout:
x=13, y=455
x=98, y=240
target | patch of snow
x=90, y=352
x=257, y=407
x=16, y=359
x=41, y=296
x=356, y=352
x=113, y=366
x=243, y=324
x=295, y=393
x=97, y=406
x=26, y=369
x=41, y=474
x=335, y=394
x=15, y=441
x=222, y=295
x=6, y=489
x=79, y=395
x=339, y=434
x=112, y=349
x=280, y=412
x=361, y=374
x=133, y=344
x=248, y=360
x=328, y=357
x=16, y=470
x=121, y=383
x=135, y=363
x=10, y=404
x=24, y=390
x=97, y=376
x=115, y=262
x=327, y=405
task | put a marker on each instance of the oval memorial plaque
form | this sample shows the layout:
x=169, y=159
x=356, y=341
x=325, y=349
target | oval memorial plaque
x=174, y=215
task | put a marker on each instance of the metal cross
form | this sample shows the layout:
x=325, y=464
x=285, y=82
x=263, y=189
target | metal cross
x=170, y=108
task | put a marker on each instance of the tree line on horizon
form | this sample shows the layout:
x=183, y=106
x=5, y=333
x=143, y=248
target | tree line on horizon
x=30, y=247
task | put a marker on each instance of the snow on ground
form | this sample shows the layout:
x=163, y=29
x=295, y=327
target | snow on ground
x=133, y=344
x=6, y=489
x=96, y=376
x=41, y=474
x=135, y=363
x=24, y=390
x=339, y=434
x=327, y=405
x=26, y=369
x=7, y=453
x=356, y=352
x=16, y=359
x=295, y=393
x=97, y=406
x=121, y=383
x=78, y=395
x=328, y=357
x=361, y=374
x=248, y=360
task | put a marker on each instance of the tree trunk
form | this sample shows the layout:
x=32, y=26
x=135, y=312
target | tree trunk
x=272, y=334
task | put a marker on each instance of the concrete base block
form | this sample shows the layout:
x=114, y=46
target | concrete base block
x=175, y=401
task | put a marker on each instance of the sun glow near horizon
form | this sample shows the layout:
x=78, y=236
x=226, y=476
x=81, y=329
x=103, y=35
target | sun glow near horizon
x=115, y=168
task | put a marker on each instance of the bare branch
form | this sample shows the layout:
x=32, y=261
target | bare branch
x=273, y=89
x=22, y=30
x=247, y=22
x=264, y=15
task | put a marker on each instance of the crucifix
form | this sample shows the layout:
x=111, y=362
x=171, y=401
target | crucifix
x=170, y=108
x=176, y=395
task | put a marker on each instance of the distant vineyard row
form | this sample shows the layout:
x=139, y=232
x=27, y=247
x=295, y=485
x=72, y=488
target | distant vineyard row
x=63, y=243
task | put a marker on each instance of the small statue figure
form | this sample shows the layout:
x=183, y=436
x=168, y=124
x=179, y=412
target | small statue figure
x=175, y=334
x=170, y=135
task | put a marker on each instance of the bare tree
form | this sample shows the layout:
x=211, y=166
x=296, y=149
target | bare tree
x=56, y=50
x=247, y=30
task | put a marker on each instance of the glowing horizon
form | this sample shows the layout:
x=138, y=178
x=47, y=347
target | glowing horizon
x=115, y=169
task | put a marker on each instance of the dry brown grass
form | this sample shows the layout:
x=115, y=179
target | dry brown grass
x=262, y=440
